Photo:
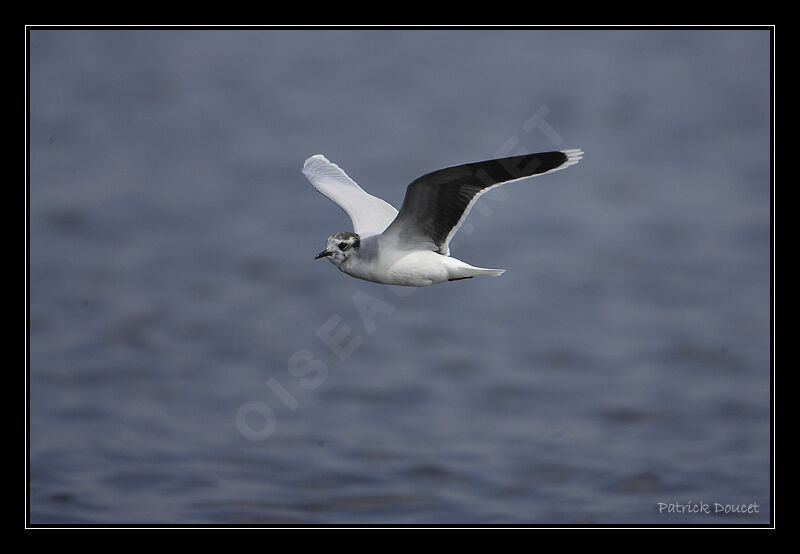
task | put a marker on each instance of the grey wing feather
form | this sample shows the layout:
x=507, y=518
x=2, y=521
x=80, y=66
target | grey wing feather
x=369, y=214
x=437, y=203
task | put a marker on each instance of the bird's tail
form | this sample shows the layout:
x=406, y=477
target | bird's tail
x=470, y=271
x=492, y=272
x=458, y=269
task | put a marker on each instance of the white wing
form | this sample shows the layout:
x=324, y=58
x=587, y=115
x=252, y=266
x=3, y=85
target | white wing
x=370, y=215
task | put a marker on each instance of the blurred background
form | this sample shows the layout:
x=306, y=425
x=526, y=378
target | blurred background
x=191, y=363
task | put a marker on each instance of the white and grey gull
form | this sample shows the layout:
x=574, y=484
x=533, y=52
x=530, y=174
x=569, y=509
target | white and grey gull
x=411, y=247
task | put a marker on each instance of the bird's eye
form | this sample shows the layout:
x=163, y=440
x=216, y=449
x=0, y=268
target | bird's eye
x=342, y=246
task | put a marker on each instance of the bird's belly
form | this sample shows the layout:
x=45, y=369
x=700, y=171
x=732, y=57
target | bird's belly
x=415, y=269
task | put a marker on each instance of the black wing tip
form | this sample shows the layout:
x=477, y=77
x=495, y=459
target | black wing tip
x=512, y=168
x=573, y=156
x=565, y=158
x=528, y=165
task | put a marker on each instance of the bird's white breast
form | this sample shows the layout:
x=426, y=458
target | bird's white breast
x=411, y=268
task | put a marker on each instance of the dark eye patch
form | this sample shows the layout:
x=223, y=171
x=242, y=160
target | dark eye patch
x=342, y=246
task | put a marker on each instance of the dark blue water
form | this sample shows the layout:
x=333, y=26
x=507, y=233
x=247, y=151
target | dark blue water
x=191, y=363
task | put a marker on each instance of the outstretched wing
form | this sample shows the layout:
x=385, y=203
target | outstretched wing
x=437, y=203
x=370, y=215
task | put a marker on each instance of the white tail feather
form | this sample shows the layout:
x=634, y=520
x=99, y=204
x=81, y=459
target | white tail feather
x=492, y=272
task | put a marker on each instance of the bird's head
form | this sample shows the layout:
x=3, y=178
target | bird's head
x=340, y=246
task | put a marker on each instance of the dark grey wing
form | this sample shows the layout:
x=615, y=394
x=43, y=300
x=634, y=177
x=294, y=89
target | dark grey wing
x=437, y=203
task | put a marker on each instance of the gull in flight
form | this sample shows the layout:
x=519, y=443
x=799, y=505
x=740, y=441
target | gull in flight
x=411, y=247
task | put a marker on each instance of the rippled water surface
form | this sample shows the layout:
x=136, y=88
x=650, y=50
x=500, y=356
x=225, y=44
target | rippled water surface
x=191, y=363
